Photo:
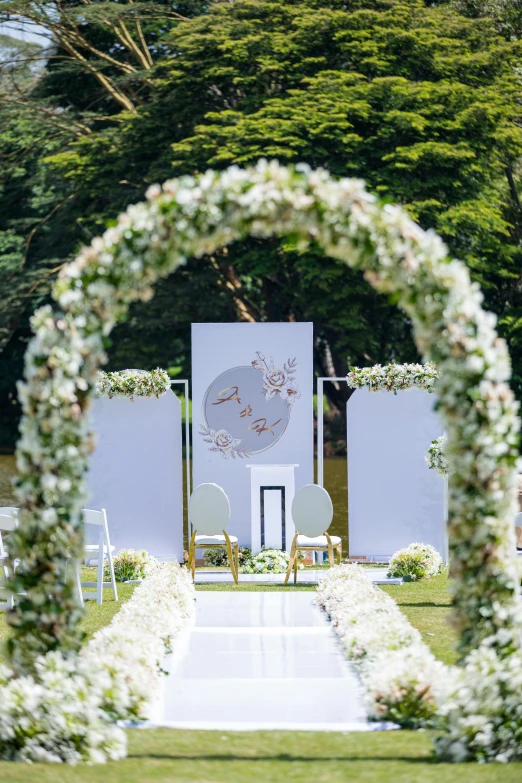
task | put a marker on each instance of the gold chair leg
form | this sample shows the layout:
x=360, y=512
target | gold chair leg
x=230, y=557
x=296, y=564
x=191, y=562
x=340, y=553
x=330, y=551
x=191, y=550
x=291, y=559
x=236, y=554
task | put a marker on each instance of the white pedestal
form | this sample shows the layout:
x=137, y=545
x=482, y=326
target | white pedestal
x=272, y=490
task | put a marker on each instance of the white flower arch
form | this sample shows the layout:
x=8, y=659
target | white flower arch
x=195, y=216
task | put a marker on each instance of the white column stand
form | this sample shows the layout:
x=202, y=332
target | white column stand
x=272, y=489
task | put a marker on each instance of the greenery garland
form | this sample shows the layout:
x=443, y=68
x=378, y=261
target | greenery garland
x=436, y=458
x=393, y=377
x=194, y=217
x=132, y=383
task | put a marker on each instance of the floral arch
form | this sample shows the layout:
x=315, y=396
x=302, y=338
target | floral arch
x=195, y=216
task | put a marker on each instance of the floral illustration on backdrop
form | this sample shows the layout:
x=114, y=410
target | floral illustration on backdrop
x=278, y=380
x=223, y=442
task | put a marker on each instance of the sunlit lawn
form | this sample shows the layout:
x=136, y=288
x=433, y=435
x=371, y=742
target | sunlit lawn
x=169, y=756
x=426, y=604
x=96, y=615
x=164, y=755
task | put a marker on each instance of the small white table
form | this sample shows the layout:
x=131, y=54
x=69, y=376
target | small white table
x=272, y=489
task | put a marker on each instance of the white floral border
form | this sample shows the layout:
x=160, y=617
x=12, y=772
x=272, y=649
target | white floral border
x=393, y=377
x=132, y=383
x=67, y=710
x=402, y=679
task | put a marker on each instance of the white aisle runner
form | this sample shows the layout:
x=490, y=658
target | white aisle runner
x=260, y=660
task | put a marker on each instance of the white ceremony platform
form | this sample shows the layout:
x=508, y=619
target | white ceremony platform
x=376, y=575
x=260, y=660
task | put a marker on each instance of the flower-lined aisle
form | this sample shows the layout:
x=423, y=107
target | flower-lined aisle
x=193, y=217
x=475, y=709
x=400, y=673
x=67, y=711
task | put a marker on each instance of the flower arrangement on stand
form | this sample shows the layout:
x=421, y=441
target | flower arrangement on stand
x=435, y=457
x=67, y=709
x=268, y=561
x=132, y=383
x=416, y=561
x=393, y=377
x=403, y=681
x=219, y=557
x=131, y=564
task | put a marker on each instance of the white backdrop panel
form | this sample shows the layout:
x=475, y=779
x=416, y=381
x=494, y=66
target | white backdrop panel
x=394, y=499
x=135, y=472
x=229, y=394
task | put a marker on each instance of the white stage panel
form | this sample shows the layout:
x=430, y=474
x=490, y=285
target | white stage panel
x=394, y=499
x=135, y=472
x=252, y=403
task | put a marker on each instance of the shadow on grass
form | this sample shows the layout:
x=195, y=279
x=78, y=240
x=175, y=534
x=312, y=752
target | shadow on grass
x=425, y=603
x=283, y=757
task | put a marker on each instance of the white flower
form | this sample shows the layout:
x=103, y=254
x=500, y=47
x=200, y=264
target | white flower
x=418, y=561
x=435, y=457
x=67, y=710
x=401, y=676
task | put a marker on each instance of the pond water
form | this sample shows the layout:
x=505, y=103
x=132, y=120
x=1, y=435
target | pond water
x=335, y=481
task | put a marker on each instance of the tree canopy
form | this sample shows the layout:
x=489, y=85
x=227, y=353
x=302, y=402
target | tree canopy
x=420, y=101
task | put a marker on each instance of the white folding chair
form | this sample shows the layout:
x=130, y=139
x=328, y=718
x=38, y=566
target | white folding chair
x=312, y=513
x=8, y=523
x=102, y=551
x=518, y=532
x=209, y=513
x=10, y=511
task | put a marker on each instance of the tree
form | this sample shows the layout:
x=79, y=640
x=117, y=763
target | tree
x=417, y=100
x=95, y=71
x=114, y=43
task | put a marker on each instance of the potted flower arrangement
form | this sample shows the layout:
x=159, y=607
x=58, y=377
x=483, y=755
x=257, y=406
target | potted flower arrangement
x=416, y=561
x=131, y=565
x=268, y=561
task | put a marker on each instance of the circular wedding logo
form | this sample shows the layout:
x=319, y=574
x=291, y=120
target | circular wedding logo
x=246, y=410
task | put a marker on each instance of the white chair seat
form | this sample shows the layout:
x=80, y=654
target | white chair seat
x=214, y=540
x=96, y=547
x=317, y=541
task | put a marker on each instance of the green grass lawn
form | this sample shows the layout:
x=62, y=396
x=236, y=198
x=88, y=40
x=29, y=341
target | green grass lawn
x=426, y=604
x=168, y=756
x=161, y=755
x=96, y=615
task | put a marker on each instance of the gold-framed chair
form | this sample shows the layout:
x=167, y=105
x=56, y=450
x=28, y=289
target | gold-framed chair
x=209, y=514
x=312, y=513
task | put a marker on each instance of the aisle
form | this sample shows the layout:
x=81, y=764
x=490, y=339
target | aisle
x=260, y=661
